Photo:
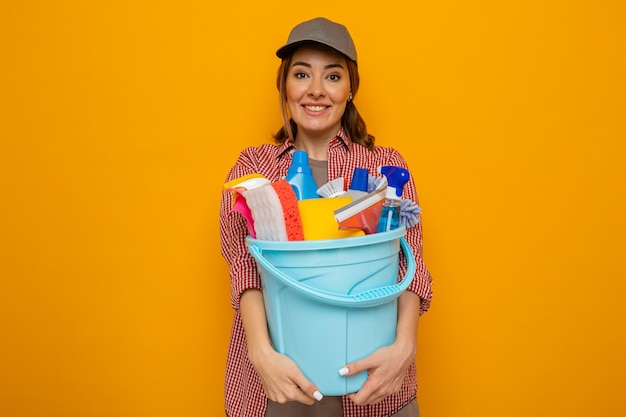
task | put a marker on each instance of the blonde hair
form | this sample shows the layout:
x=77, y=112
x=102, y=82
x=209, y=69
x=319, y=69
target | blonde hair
x=351, y=121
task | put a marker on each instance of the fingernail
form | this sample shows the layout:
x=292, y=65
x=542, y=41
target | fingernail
x=343, y=371
x=318, y=395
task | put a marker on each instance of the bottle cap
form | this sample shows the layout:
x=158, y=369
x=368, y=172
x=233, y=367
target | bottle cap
x=300, y=162
x=359, y=179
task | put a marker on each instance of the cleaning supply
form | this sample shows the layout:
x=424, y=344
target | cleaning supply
x=363, y=213
x=237, y=186
x=318, y=221
x=358, y=186
x=390, y=215
x=300, y=177
x=247, y=182
x=332, y=189
x=409, y=213
x=275, y=212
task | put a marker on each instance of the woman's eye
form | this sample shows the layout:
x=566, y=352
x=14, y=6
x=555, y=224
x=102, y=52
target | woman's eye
x=300, y=75
x=334, y=77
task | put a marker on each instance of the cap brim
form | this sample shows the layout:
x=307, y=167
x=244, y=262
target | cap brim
x=289, y=48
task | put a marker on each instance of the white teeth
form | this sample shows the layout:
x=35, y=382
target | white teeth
x=315, y=108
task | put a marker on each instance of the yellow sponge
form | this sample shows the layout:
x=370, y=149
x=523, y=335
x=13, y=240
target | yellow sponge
x=318, y=218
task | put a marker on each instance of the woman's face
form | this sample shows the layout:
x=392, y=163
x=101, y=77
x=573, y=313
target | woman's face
x=317, y=88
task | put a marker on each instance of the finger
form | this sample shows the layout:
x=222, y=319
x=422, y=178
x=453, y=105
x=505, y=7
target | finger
x=310, y=390
x=360, y=398
x=306, y=397
x=307, y=389
x=317, y=395
x=366, y=396
x=293, y=394
x=354, y=368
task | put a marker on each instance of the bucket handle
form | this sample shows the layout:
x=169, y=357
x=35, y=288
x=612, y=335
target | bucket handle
x=367, y=298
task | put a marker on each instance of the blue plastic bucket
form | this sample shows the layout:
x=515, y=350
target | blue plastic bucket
x=332, y=302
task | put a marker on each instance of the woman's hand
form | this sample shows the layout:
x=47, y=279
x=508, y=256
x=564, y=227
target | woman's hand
x=282, y=379
x=387, y=366
x=386, y=369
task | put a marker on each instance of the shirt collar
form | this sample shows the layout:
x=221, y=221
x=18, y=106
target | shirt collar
x=342, y=138
x=285, y=147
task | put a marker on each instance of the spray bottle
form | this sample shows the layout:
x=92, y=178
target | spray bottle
x=390, y=215
x=300, y=176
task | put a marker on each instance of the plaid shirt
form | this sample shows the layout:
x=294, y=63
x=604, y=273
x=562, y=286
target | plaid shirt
x=244, y=393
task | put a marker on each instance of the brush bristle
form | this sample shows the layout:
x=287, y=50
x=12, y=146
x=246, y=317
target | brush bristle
x=332, y=188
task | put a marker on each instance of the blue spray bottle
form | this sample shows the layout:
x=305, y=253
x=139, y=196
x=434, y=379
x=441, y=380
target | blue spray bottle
x=300, y=176
x=396, y=179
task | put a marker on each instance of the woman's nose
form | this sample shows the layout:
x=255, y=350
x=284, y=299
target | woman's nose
x=316, y=87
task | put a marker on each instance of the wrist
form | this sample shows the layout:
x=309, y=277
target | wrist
x=406, y=345
x=259, y=352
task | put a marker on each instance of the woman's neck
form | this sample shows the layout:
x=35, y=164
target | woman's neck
x=316, y=150
x=315, y=147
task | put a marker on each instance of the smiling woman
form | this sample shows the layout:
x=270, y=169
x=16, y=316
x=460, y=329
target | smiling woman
x=324, y=40
x=318, y=90
x=317, y=81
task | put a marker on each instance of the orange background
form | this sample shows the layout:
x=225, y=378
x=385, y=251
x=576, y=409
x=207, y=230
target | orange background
x=120, y=119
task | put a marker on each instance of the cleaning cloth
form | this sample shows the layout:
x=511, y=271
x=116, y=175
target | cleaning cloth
x=237, y=186
x=274, y=208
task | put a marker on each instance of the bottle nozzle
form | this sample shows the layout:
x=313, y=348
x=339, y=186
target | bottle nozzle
x=397, y=177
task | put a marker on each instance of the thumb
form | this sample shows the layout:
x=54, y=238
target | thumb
x=309, y=388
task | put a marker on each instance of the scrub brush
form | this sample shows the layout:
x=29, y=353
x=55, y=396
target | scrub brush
x=409, y=213
x=333, y=188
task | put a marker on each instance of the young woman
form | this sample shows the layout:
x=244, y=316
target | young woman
x=317, y=81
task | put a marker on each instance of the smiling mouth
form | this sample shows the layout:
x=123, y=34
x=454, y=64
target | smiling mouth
x=315, y=108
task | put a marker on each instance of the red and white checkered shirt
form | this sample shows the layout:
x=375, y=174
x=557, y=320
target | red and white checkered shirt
x=244, y=393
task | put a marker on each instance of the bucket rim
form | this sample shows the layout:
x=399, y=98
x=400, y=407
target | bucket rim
x=367, y=298
x=297, y=245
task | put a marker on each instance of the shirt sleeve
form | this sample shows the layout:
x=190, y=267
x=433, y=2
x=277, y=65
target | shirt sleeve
x=233, y=232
